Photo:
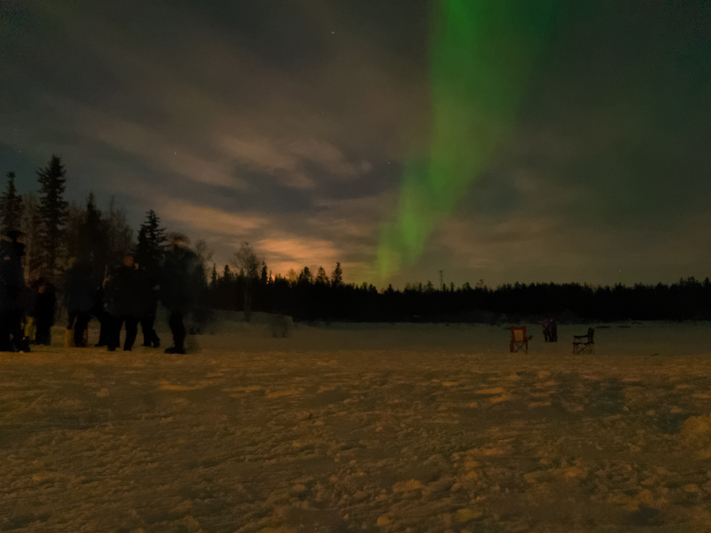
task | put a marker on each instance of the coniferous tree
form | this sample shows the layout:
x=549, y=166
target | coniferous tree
x=53, y=212
x=151, y=243
x=337, y=276
x=305, y=276
x=264, y=275
x=30, y=225
x=213, y=277
x=11, y=206
x=119, y=235
x=95, y=235
x=321, y=277
x=227, y=275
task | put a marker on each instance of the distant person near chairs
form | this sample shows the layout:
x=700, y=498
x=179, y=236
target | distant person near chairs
x=550, y=330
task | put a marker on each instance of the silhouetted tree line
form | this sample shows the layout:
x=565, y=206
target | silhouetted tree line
x=57, y=233
x=308, y=297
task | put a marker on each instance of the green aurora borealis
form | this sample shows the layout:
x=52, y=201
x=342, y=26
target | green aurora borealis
x=482, y=55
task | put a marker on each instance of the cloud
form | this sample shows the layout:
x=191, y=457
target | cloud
x=284, y=242
x=290, y=161
x=280, y=133
x=210, y=218
x=265, y=156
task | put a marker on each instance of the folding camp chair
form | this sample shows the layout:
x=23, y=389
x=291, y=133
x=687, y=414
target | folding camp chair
x=519, y=339
x=584, y=343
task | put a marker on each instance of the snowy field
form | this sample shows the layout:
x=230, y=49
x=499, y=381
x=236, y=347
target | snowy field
x=362, y=428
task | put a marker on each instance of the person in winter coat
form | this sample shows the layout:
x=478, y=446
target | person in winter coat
x=13, y=293
x=149, y=300
x=78, y=299
x=99, y=311
x=179, y=287
x=44, y=309
x=123, y=304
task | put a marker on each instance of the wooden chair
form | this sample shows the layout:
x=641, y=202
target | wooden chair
x=584, y=343
x=519, y=339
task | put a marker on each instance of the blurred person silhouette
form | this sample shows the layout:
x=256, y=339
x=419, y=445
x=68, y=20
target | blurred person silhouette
x=148, y=282
x=553, y=330
x=14, y=296
x=179, y=287
x=99, y=310
x=79, y=300
x=45, y=305
x=123, y=304
x=546, y=323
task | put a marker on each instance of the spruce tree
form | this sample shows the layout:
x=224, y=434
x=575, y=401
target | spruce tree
x=151, y=242
x=10, y=206
x=321, y=277
x=96, y=238
x=119, y=235
x=305, y=276
x=53, y=213
x=213, y=277
x=31, y=225
x=337, y=276
x=264, y=277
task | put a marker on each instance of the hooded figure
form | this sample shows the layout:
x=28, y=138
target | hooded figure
x=13, y=293
x=44, y=308
x=123, y=304
x=79, y=299
x=148, y=281
x=179, y=287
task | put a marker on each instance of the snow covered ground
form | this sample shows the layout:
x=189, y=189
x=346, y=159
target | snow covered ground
x=362, y=428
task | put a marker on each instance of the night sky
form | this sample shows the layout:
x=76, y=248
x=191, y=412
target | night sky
x=288, y=123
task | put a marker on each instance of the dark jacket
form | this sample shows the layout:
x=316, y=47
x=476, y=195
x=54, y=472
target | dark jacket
x=180, y=283
x=45, y=305
x=79, y=288
x=12, y=279
x=123, y=296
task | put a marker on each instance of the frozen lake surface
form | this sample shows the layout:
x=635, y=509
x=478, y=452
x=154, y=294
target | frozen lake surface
x=362, y=428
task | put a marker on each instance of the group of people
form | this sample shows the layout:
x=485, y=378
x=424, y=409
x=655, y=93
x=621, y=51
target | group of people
x=127, y=295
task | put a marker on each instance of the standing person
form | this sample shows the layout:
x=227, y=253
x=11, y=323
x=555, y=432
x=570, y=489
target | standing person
x=123, y=304
x=179, y=287
x=44, y=309
x=149, y=301
x=99, y=311
x=553, y=330
x=100, y=304
x=12, y=281
x=79, y=300
x=546, y=323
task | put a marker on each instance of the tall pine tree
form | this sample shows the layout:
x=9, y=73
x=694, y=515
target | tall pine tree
x=119, y=235
x=337, y=276
x=10, y=206
x=31, y=225
x=53, y=213
x=151, y=242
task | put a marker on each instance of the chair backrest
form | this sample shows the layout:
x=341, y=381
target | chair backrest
x=591, y=332
x=519, y=334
